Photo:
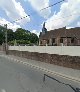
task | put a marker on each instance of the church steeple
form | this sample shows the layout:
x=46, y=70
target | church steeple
x=44, y=30
x=44, y=25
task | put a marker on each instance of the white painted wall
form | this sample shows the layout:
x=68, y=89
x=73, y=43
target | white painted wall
x=61, y=50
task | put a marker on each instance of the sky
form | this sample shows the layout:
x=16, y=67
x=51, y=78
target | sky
x=66, y=13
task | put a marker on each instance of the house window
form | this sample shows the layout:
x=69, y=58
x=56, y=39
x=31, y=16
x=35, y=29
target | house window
x=72, y=40
x=53, y=40
x=61, y=40
x=40, y=42
x=47, y=41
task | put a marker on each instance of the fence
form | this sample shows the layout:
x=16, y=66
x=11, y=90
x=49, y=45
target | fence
x=61, y=50
x=2, y=48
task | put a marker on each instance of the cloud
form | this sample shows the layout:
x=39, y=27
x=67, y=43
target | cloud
x=40, y=4
x=78, y=23
x=36, y=32
x=69, y=27
x=14, y=10
x=25, y=0
x=69, y=13
x=13, y=26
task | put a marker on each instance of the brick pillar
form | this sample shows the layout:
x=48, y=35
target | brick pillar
x=58, y=41
x=50, y=41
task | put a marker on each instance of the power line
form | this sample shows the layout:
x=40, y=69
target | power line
x=43, y=9
x=56, y=18
x=39, y=10
x=64, y=17
x=52, y=5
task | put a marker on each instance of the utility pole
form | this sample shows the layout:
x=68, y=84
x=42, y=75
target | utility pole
x=6, y=45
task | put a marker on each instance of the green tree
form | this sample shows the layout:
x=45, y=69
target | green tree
x=21, y=34
x=24, y=36
x=2, y=35
x=2, y=38
x=10, y=35
x=33, y=38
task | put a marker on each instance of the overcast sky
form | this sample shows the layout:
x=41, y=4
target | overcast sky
x=67, y=13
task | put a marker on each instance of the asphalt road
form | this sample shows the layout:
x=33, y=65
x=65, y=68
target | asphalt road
x=16, y=77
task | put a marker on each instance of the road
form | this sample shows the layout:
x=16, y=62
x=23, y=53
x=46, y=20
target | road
x=16, y=77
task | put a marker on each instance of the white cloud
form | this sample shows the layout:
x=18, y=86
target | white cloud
x=40, y=4
x=14, y=10
x=69, y=27
x=36, y=32
x=78, y=24
x=25, y=0
x=13, y=26
x=69, y=13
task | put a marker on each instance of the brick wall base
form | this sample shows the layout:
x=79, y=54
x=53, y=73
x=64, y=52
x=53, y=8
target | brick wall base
x=61, y=60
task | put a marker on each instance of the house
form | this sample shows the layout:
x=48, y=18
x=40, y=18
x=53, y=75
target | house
x=60, y=37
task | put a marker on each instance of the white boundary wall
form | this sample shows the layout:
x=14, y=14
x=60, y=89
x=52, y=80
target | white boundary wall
x=61, y=50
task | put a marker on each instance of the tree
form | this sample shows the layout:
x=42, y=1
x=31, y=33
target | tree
x=33, y=38
x=25, y=36
x=2, y=38
x=10, y=35
x=2, y=35
x=21, y=34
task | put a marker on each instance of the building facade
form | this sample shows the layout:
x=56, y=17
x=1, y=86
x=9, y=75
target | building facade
x=60, y=37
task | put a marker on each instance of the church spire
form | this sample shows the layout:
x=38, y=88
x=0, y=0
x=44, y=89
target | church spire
x=44, y=25
x=44, y=30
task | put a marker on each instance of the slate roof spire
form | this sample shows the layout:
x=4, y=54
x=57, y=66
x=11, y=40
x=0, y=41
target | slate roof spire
x=44, y=30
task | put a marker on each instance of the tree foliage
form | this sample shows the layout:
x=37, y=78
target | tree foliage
x=20, y=36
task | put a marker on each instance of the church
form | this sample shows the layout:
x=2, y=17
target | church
x=60, y=37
